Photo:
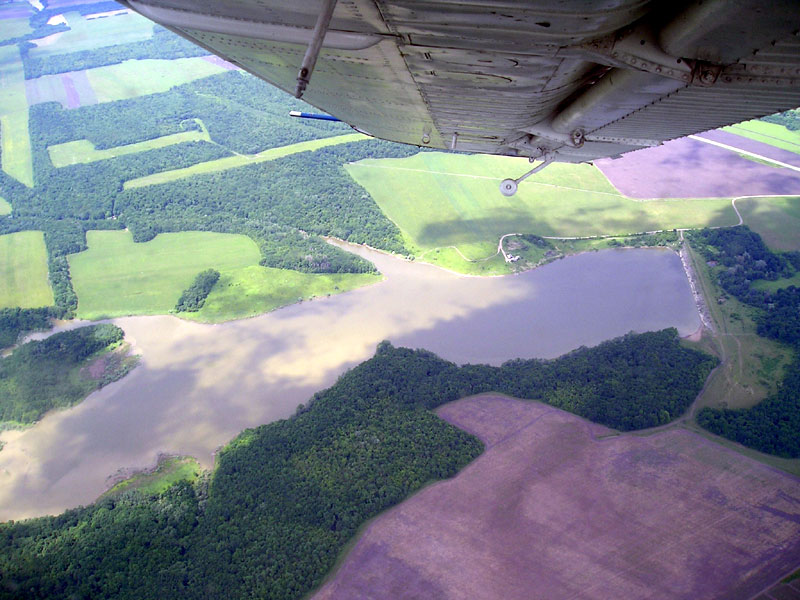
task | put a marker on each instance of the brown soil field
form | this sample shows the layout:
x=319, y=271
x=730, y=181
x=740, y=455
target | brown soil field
x=557, y=507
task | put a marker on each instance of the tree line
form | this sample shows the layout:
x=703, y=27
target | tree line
x=42, y=375
x=194, y=297
x=286, y=497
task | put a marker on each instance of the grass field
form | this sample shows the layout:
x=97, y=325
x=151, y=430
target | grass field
x=5, y=207
x=776, y=220
x=149, y=76
x=84, y=151
x=11, y=28
x=240, y=160
x=15, y=142
x=116, y=277
x=254, y=290
x=89, y=34
x=442, y=201
x=166, y=473
x=769, y=133
x=771, y=286
x=24, y=276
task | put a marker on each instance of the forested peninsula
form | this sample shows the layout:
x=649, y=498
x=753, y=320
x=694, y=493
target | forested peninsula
x=740, y=257
x=286, y=497
x=59, y=371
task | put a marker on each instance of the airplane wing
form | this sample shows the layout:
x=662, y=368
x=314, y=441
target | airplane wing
x=572, y=80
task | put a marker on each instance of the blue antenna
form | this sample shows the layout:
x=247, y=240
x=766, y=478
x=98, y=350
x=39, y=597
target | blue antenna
x=305, y=115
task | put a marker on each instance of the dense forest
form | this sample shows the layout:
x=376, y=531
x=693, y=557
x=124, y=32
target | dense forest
x=194, y=297
x=15, y=322
x=42, y=375
x=285, y=497
x=741, y=257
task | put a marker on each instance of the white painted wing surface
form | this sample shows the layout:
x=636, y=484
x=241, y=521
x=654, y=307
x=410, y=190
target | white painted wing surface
x=573, y=80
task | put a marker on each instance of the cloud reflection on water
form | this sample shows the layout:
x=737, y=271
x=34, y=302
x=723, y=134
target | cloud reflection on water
x=199, y=385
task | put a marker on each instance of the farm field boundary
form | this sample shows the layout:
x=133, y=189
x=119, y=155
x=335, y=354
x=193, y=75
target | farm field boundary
x=24, y=278
x=84, y=151
x=240, y=160
x=454, y=214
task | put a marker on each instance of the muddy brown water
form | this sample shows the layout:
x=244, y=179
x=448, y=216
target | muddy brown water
x=199, y=385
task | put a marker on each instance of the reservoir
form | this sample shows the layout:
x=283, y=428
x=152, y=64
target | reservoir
x=199, y=385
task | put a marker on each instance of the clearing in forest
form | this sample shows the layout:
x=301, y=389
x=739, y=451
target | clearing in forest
x=669, y=515
x=15, y=141
x=443, y=200
x=5, y=207
x=133, y=78
x=240, y=160
x=84, y=151
x=117, y=277
x=89, y=34
x=24, y=279
x=13, y=27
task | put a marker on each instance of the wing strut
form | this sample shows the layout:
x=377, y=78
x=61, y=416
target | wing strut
x=312, y=52
x=508, y=187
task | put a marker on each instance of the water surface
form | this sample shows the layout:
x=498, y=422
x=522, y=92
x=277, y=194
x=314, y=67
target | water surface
x=199, y=385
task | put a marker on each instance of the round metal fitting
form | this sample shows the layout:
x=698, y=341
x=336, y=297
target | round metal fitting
x=508, y=187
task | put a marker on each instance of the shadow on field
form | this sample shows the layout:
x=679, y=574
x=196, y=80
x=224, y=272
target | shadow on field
x=461, y=231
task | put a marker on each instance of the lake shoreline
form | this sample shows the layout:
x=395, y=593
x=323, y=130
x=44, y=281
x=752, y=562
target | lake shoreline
x=199, y=385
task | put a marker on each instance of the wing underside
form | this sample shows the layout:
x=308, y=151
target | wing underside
x=574, y=80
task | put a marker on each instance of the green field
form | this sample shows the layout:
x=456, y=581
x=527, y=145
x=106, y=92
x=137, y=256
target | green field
x=254, y=290
x=240, y=160
x=5, y=207
x=13, y=28
x=84, y=151
x=24, y=276
x=441, y=201
x=769, y=133
x=117, y=277
x=776, y=220
x=89, y=34
x=15, y=142
x=166, y=473
x=772, y=286
x=133, y=78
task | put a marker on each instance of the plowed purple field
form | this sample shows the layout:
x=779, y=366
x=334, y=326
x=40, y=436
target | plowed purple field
x=554, y=510
x=70, y=89
x=687, y=168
